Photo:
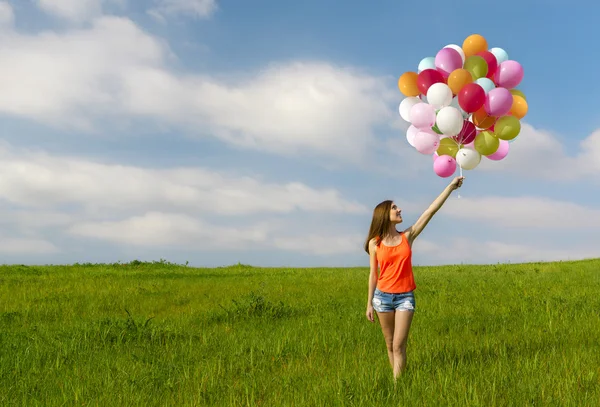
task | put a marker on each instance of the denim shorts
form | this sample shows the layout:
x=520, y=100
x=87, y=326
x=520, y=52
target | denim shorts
x=386, y=302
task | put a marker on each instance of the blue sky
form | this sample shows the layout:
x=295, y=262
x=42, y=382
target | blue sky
x=218, y=132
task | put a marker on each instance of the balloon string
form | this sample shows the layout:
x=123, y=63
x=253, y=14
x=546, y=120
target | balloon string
x=459, y=166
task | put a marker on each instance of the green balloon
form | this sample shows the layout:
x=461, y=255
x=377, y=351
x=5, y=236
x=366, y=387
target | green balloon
x=448, y=147
x=476, y=66
x=486, y=143
x=517, y=92
x=507, y=127
x=435, y=128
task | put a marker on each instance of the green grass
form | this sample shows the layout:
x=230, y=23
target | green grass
x=157, y=334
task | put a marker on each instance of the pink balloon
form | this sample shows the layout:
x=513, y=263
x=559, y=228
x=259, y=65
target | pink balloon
x=435, y=155
x=448, y=60
x=501, y=152
x=410, y=134
x=422, y=116
x=470, y=145
x=426, y=143
x=509, y=74
x=444, y=166
x=497, y=102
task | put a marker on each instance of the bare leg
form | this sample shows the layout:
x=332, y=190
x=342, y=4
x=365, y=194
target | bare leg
x=402, y=327
x=388, y=322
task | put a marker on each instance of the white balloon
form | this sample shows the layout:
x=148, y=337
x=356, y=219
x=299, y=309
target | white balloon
x=468, y=158
x=439, y=95
x=459, y=49
x=426, y=63
x=450, y=121
x=500, y=54
x=410, y=135
x=406, y=105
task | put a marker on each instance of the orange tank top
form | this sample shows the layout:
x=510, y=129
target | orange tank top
x=395, y=265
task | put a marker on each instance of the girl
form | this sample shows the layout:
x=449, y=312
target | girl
x=392, y=290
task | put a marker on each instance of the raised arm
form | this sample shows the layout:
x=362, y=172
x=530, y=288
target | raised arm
x=416, y=229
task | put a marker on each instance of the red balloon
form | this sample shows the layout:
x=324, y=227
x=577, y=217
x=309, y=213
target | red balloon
x=471, y=97
x=427, y=78
x=467, y=134
x=492, y=62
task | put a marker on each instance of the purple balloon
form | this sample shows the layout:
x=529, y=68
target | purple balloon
x=498, y=102
x=501, y=152
x=422, y=116
x=448, y=60
x=509, y=74
x=426, y=143
x=444, y=166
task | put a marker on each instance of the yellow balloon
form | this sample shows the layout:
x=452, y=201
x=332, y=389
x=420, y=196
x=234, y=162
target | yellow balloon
x=486, y=143
x=507, y=127
x=519, y=107
x=474, y=44
x=448, y=147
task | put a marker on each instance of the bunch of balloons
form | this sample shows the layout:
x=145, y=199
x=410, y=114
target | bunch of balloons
x=463, y=104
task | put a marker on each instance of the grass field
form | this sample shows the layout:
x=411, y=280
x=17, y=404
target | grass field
x=157, y=334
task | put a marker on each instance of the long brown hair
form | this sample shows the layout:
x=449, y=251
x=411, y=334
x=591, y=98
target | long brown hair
x=380, y=223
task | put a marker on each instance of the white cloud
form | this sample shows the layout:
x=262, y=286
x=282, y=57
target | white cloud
x=30, y=246
x=75, y=10
x=524, y=212
x=114, y=71
x=38, y=179
x=194, y=8
x=540, y=154
x=7, y=15
x=168, y=230
x=462, y=250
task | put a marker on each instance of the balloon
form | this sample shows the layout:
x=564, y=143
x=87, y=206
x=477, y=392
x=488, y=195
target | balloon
x=477, y=66
x=507, y=128
x=491, y=62
x=509, y=74
x=474, y=44
x=406, y=105
x=471, y=97
x=447, y=147
x=422, y=115
x=501, y=152
x=434, y=155
x=486, y=143
x=517, y=92
x=500, y=54
x=444, y=166
x=467, y=134
x=439, y=95
x=407, y=83
x=467, y=158
x=450, y=121
x=459, y=78
x=436, y=130
x=410, y=134
x=448, y=60
x=426, y=143
x=427, y=78
x=519, y=107
x=470, y=145
x=486, y=83
x=498, y=102
x=426, y=63
x=459, y=50
x=483, y=120
x=455, y=104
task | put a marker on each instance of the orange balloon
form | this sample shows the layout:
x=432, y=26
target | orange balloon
x=482, y=120
x=519, y=107
x=407, y=83
x=474, y=44
x=459, y=78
